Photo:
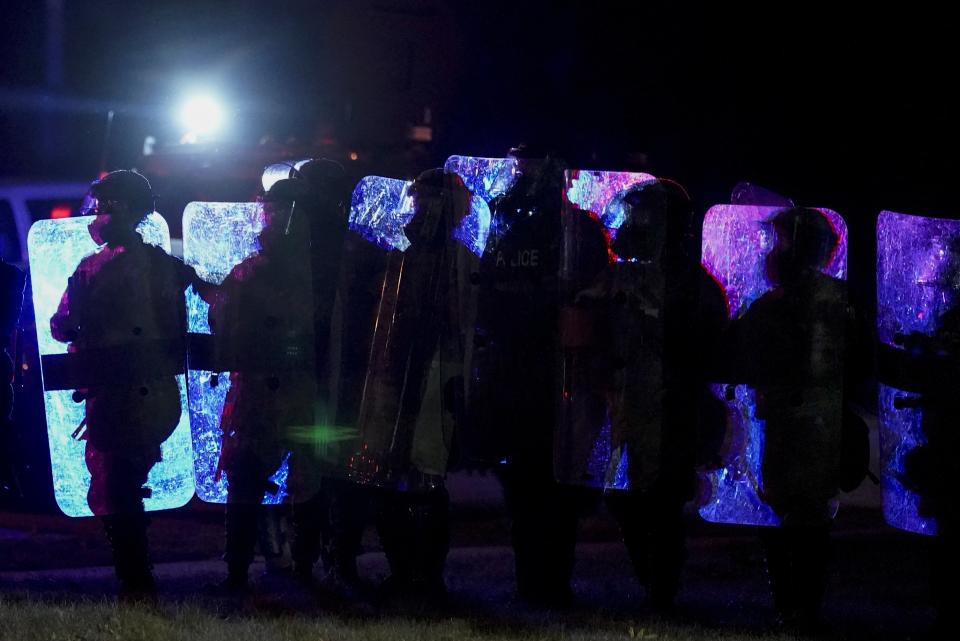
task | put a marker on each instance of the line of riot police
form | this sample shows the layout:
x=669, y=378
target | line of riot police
x=582, y=333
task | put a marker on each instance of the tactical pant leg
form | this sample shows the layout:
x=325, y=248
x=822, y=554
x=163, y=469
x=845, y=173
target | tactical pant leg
x=945, y=567
x=653, y=530
x=127, y=534
x=779, y=563
x=414, y=530
x=116, y=493
x=544, y=517
x=117, y=480
x=273, y=538
x=348, y=506
x=308, y=525
x=248, y=479
x=797, y=556
x=241, y=533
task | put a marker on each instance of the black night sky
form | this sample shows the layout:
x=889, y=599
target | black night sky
x=851, y=110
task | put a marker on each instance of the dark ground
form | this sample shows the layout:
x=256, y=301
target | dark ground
x=878, y=586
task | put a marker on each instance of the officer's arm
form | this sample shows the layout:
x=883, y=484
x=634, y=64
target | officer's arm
x=190, y=278
x=62, y=326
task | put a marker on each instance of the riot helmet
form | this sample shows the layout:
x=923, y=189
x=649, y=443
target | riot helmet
x=120, y=200
x=803, y=242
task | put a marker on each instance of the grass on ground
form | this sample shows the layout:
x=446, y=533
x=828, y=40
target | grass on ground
x=28, y=619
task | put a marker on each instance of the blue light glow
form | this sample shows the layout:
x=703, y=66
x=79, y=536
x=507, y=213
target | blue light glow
x=474, y=230
x=379, y=210
x=486, y=178
x=56, y=248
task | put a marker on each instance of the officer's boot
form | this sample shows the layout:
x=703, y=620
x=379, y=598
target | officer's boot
x=811, y=558
x=555, y=540
x=308, y=518
x=273, y=539
x=127, y=534
x=666, y=554
x=396, y=527
x=630, y=510
x=241, y=527
x=432, y=537
x=943, y=576
x=343, y=534
x=779, y=563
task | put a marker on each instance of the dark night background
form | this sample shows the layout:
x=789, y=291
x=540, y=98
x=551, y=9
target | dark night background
x=851, y=110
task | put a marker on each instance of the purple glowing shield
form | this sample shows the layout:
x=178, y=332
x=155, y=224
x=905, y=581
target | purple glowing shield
x=918, y=308
x=596, y=193
x=486, y=179
x=735, y=244
x=379, y=210
x=589, y=449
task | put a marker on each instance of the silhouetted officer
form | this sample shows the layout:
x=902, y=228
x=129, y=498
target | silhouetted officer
x=124, y=312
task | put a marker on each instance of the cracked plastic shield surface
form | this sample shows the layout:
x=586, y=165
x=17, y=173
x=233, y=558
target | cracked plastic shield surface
x=736, y=242
x=611, y=339
x=918, y=327
x=74, y=278
x=252, y=379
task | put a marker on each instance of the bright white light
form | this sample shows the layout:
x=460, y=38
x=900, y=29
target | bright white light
x=202, y=116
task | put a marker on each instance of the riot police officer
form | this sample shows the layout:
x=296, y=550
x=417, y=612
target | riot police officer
x=790, y=347
x=643, y=360
x=262, y=321
x=512, y=397
x=124, y=312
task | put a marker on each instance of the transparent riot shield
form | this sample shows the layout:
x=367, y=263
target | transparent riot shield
x=747, y=193
x=379, y=210
x=252, y=383
x=404, y=417
x=110, y=338
x=738, y=244
x=371, y=235
x=278, y=171
x=380, y=207
x=918, y=327
x=593, y=276
x=486, y=179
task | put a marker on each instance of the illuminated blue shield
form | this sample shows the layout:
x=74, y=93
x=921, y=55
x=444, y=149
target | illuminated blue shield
x=278, y=171
x=486, y=179
x=251, y=377
x=918, y=326
x=416, y=331
x=110, y=338
x=782, y=434
x=379, y=210
x=611, y=336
